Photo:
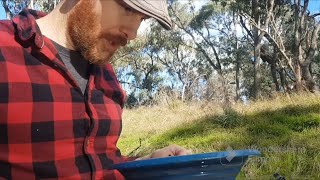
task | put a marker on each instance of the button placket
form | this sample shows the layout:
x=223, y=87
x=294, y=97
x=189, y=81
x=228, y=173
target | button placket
x=89, y=144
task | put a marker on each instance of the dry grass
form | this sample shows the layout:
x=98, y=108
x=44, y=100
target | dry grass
x=159, y=119
x=278, y=102
x=156, y=120
x=280, y=122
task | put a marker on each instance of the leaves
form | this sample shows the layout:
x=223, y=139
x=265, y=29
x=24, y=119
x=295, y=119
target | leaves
x=13, y=7
x=205, y=13
x=209, y=53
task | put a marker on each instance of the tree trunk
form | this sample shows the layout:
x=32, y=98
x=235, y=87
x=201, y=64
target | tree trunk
x=30, y=6
x=283, y=80
x=297, y=46
x=274, y=75
x=237, y=77
x=226, y=99
x=183, y=92
x=310, y=55
x=236, y=47
x=298, y=84
x=257, y=42
x=307, y=77
x=274, y=68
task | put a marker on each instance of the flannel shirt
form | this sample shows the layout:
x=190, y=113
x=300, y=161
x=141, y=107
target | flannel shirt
x=49, y=129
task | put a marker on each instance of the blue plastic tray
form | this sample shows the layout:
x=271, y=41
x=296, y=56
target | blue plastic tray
x=224, y=165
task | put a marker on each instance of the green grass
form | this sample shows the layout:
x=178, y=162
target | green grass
x=286, y=131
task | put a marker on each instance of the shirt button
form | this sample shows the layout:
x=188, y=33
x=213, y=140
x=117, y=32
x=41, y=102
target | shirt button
x=89, y=143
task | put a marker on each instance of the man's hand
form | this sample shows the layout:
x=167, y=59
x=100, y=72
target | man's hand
x=172, y=150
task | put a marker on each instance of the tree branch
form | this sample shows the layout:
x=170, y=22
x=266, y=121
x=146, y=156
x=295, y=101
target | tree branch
x=245, y=27
x=315, y=15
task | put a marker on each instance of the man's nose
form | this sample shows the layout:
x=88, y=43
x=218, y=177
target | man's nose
x=130, y=33
x=131, y=28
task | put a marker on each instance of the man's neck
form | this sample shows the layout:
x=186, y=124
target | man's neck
x=54, y=25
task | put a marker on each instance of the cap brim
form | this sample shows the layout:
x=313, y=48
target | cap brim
x=147, y=8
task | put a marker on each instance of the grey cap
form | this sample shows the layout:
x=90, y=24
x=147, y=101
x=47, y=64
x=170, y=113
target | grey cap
x=157, y=9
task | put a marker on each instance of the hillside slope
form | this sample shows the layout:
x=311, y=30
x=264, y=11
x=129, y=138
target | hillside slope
x=285, y=130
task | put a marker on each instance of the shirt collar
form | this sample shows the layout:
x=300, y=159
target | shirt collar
x=27, y=30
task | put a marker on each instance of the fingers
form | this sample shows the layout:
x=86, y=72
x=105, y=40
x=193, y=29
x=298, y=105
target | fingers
x=179, y=151
x=183, y=152
x=144, y=157
x=172, y=150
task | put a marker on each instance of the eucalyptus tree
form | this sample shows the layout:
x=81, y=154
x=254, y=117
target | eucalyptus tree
x=305, y=48
x=138, y=70
x=260, y=20
x=13, y=7
x=292, y=33
x=198, y=26
x=173, y=51
x=44, y=5
x=258, y=14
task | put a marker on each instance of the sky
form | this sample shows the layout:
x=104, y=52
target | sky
x=313, y=7
x=2, y=13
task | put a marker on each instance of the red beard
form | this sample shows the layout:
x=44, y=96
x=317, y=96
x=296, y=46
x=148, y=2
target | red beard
x=87, y=36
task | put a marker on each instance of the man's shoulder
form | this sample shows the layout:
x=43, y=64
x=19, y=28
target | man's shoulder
x=6, y=33
x=6, y=27
x=10, y=49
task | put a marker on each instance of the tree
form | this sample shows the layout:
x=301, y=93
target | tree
x=299, y=51
x=178, y=59
x=200, y=30
x=306, y=33
x=13, y=7
x=138, y=70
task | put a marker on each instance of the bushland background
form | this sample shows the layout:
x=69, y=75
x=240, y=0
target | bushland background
x=234, y=74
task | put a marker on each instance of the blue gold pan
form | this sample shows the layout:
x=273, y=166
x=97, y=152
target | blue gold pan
x=224, y=165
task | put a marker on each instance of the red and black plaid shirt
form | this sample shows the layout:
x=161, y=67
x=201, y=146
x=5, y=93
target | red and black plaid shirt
x=48, y=128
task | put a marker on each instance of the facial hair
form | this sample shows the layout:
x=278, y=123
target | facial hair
x=87, y=36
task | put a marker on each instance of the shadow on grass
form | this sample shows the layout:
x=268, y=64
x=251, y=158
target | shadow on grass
x=289, y=127
x=268, y=126
x=288, y=138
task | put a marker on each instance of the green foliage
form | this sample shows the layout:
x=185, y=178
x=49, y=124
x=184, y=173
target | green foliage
x=230, y=119
x=46, y=5
x=15, y=6
x=198, y=58
x=132, y=101
x=268, y=130
x=288, y=138
x=201, y=56
x=206, y=12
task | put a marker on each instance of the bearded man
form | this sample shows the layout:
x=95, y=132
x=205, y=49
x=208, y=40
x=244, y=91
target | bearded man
x=60, y=101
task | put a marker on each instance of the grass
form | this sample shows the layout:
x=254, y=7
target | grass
x=285, y=130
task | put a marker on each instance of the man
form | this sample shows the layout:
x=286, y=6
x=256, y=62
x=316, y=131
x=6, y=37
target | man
x=60, y=102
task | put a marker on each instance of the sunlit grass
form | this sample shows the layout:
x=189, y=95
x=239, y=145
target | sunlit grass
x=286, y=131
